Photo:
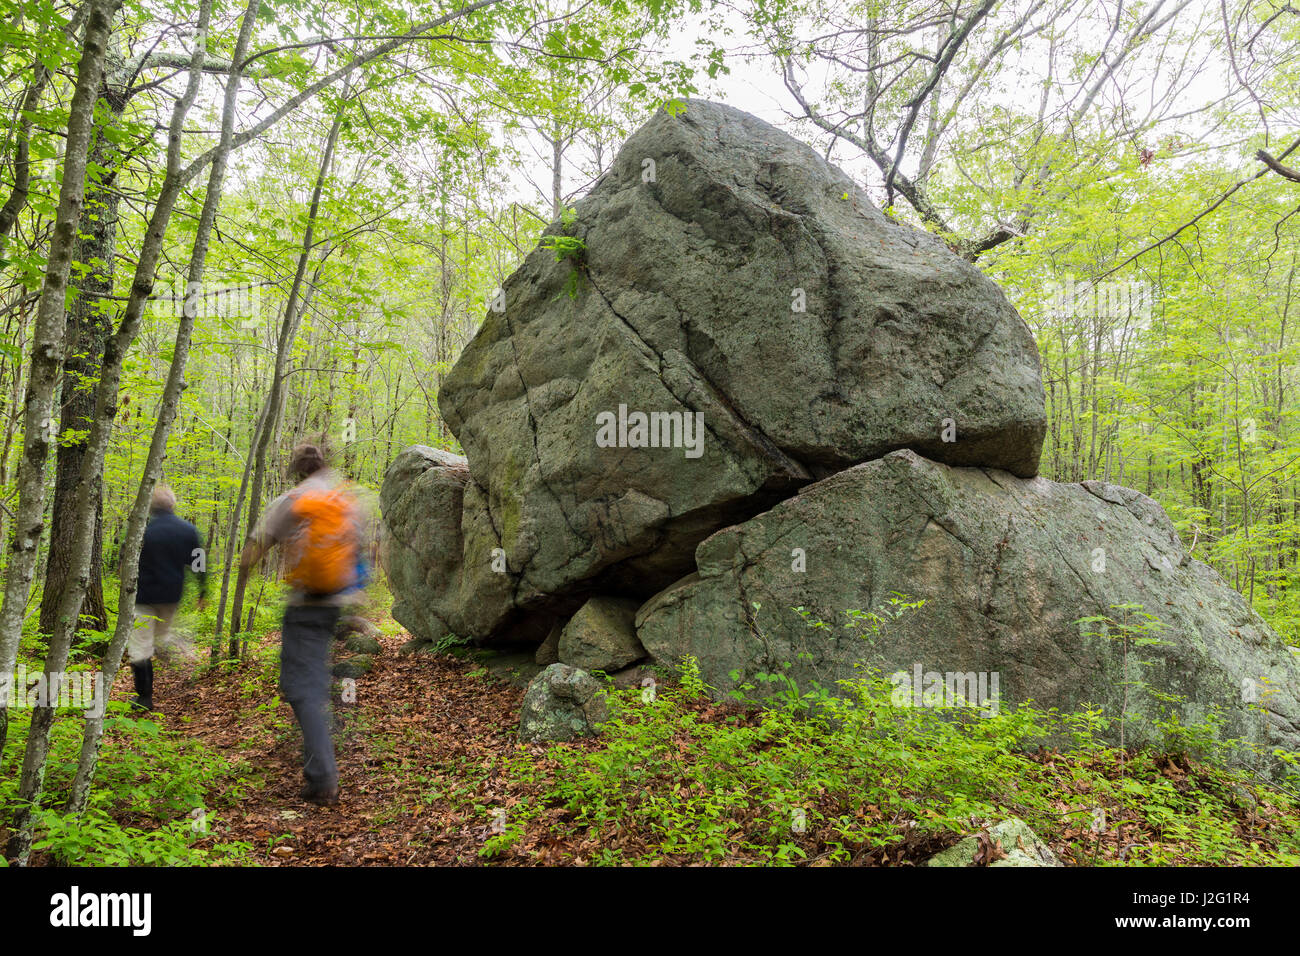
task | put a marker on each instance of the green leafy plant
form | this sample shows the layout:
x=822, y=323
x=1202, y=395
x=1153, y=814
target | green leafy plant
x=139, y=813
x=1134, y=627
x=568, y=247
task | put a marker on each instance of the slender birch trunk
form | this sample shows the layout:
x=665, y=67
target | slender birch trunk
x=284, y=347
x=47, y=348
x=232, y=535
x=134, y=537
x=32, y=780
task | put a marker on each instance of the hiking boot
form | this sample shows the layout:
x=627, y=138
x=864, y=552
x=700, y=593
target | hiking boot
x=321, y=797
x=143, y=685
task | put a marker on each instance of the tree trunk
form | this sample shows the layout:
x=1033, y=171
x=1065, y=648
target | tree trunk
x=284, y=346
x=88, y=328
x=32, y=781
x=130, y=561
x=47, y=348
x=557, y=171
x=232, y=535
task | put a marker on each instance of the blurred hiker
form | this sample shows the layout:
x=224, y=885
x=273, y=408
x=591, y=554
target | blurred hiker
x=321, y=528
x=170, y=546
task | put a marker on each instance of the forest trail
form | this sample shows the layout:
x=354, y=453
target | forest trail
x=414, y=718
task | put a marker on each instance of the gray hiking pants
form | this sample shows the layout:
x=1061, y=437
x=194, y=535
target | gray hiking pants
x=305, y=638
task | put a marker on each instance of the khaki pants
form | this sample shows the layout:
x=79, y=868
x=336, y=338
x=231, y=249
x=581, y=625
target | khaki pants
x=153, y=623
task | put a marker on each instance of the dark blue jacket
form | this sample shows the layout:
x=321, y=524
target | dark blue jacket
x=168, y=549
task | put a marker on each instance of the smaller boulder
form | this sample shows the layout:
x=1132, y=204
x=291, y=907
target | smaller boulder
x=1020, y=844
x=362, y=644
x=548, y=652
x=355, y=624
x=638, y=675
x=354, y=666
x=416, y=645
x=562, y=703
x=602, y=635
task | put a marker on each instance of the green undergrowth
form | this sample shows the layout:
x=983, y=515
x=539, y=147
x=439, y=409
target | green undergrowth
x=157, y=798
x=158, y=795
x=677, y=778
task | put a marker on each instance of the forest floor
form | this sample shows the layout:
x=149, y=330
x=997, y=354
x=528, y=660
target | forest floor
x=413, y=715
x=432, y=773
x=421, y=755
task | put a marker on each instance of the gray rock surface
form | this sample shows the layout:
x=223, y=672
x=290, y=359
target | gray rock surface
x=362, y=644
x=746, y=257
x=548, y=652
x=602, y=635
x=562, y=703
x=644, y=676
x=1006, y=566
x=1015, y=838
x=438, y=553
x=354, y=666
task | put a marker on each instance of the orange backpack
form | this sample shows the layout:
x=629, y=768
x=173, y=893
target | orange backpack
x=327, y=559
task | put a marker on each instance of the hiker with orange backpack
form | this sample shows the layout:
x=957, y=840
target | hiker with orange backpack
x=321, y=529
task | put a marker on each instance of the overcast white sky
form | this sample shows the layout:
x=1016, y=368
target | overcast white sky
x=756, y=87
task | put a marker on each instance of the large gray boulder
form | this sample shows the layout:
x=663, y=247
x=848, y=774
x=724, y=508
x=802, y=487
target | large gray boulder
x=718, y=398
x=1006, y=567
x=735, y=280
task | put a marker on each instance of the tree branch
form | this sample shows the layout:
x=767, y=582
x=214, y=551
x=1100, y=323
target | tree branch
x=1284, y=171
